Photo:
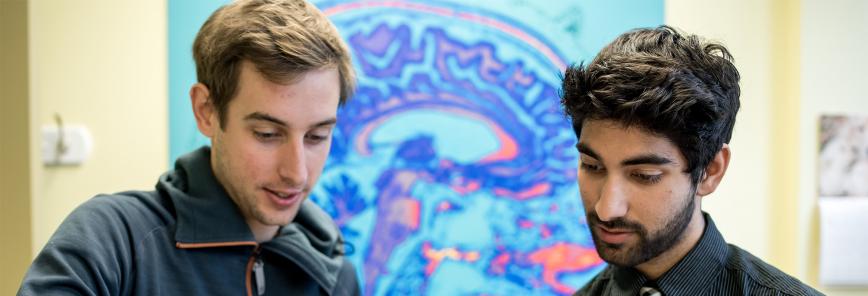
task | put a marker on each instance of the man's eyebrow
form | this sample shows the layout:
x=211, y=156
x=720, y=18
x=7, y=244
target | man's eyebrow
x=584, y=149
x=326, y=122
x=651, y=159
x=264, y=117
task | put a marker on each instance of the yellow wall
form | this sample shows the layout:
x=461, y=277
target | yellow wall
x=101, y=64
x=15, y=170
x=744, y=26
x=97, y=63
x=784, y=161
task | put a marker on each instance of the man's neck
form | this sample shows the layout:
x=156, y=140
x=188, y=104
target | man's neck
x=656, y=267
x=262, y=233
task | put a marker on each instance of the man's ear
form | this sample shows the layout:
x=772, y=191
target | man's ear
x=204, y=110
x=714, y=172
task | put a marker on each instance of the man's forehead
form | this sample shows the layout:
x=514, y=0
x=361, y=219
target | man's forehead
x=602, y=130
x=303, y=102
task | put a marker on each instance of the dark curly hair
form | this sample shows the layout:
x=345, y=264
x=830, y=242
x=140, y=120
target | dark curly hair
x=676, y=86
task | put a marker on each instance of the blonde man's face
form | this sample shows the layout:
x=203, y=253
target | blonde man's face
x=275, y=142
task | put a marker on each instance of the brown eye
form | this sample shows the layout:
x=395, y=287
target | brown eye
x=591, y=168
x=315, y=138
x=265, y=136
x=648, y=179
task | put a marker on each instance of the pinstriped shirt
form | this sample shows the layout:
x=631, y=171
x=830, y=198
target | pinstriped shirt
x=712, y=267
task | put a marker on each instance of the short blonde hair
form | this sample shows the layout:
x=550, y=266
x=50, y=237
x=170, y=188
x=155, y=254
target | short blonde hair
x=282, y=38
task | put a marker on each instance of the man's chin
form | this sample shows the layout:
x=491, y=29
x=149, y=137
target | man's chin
x=283, y=220
x=278, y=218
x=618, y=261
x=618, y=255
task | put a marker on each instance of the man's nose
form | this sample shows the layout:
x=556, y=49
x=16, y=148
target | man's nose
x=612, y=203
x=292, y=166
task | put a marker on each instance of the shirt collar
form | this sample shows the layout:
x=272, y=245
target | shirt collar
x=701, y=265
x=627, y=280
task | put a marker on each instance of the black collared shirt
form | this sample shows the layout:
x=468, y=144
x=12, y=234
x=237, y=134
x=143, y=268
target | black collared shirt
x=713, y=267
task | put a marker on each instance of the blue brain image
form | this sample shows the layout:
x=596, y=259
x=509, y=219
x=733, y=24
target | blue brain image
x=452, y=170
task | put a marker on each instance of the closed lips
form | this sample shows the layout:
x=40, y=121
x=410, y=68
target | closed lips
x=283, y=194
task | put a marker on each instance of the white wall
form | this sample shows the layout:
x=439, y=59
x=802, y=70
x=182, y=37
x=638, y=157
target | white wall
x=834, y=62
x=798, y=59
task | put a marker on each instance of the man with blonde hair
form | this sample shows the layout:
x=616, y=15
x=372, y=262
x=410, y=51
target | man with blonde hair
x=233, y=218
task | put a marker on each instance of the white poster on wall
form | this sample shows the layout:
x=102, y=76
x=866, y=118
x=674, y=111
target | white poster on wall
x=844, y=241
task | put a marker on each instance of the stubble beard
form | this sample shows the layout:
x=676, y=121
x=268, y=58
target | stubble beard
x=648, y=245
x=245, y=201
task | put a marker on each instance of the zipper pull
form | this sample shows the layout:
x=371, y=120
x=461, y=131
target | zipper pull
x=259, y=273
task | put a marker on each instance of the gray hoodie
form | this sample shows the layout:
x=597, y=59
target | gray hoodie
x=187, y=238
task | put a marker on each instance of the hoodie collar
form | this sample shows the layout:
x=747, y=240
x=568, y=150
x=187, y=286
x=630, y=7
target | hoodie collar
x=313, y=242
x=206, y=216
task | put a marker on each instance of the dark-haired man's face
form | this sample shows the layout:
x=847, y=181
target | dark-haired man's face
x=637, y=198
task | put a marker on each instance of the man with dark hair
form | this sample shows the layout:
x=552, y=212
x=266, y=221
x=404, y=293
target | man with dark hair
x=654, y=113
x=232, y=219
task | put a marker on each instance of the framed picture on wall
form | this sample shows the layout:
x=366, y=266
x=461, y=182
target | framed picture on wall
x=843, y=188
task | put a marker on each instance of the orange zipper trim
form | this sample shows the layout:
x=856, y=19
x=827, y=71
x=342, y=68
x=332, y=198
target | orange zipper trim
x=250, y=262
x=213, y=245
x=249, y=271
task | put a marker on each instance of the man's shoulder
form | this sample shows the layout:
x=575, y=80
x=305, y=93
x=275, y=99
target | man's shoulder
x=745, y=265
x=129, y=209
x=124, y=202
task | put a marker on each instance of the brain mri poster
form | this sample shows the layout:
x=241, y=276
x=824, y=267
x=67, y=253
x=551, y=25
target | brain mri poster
x=453, y=169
